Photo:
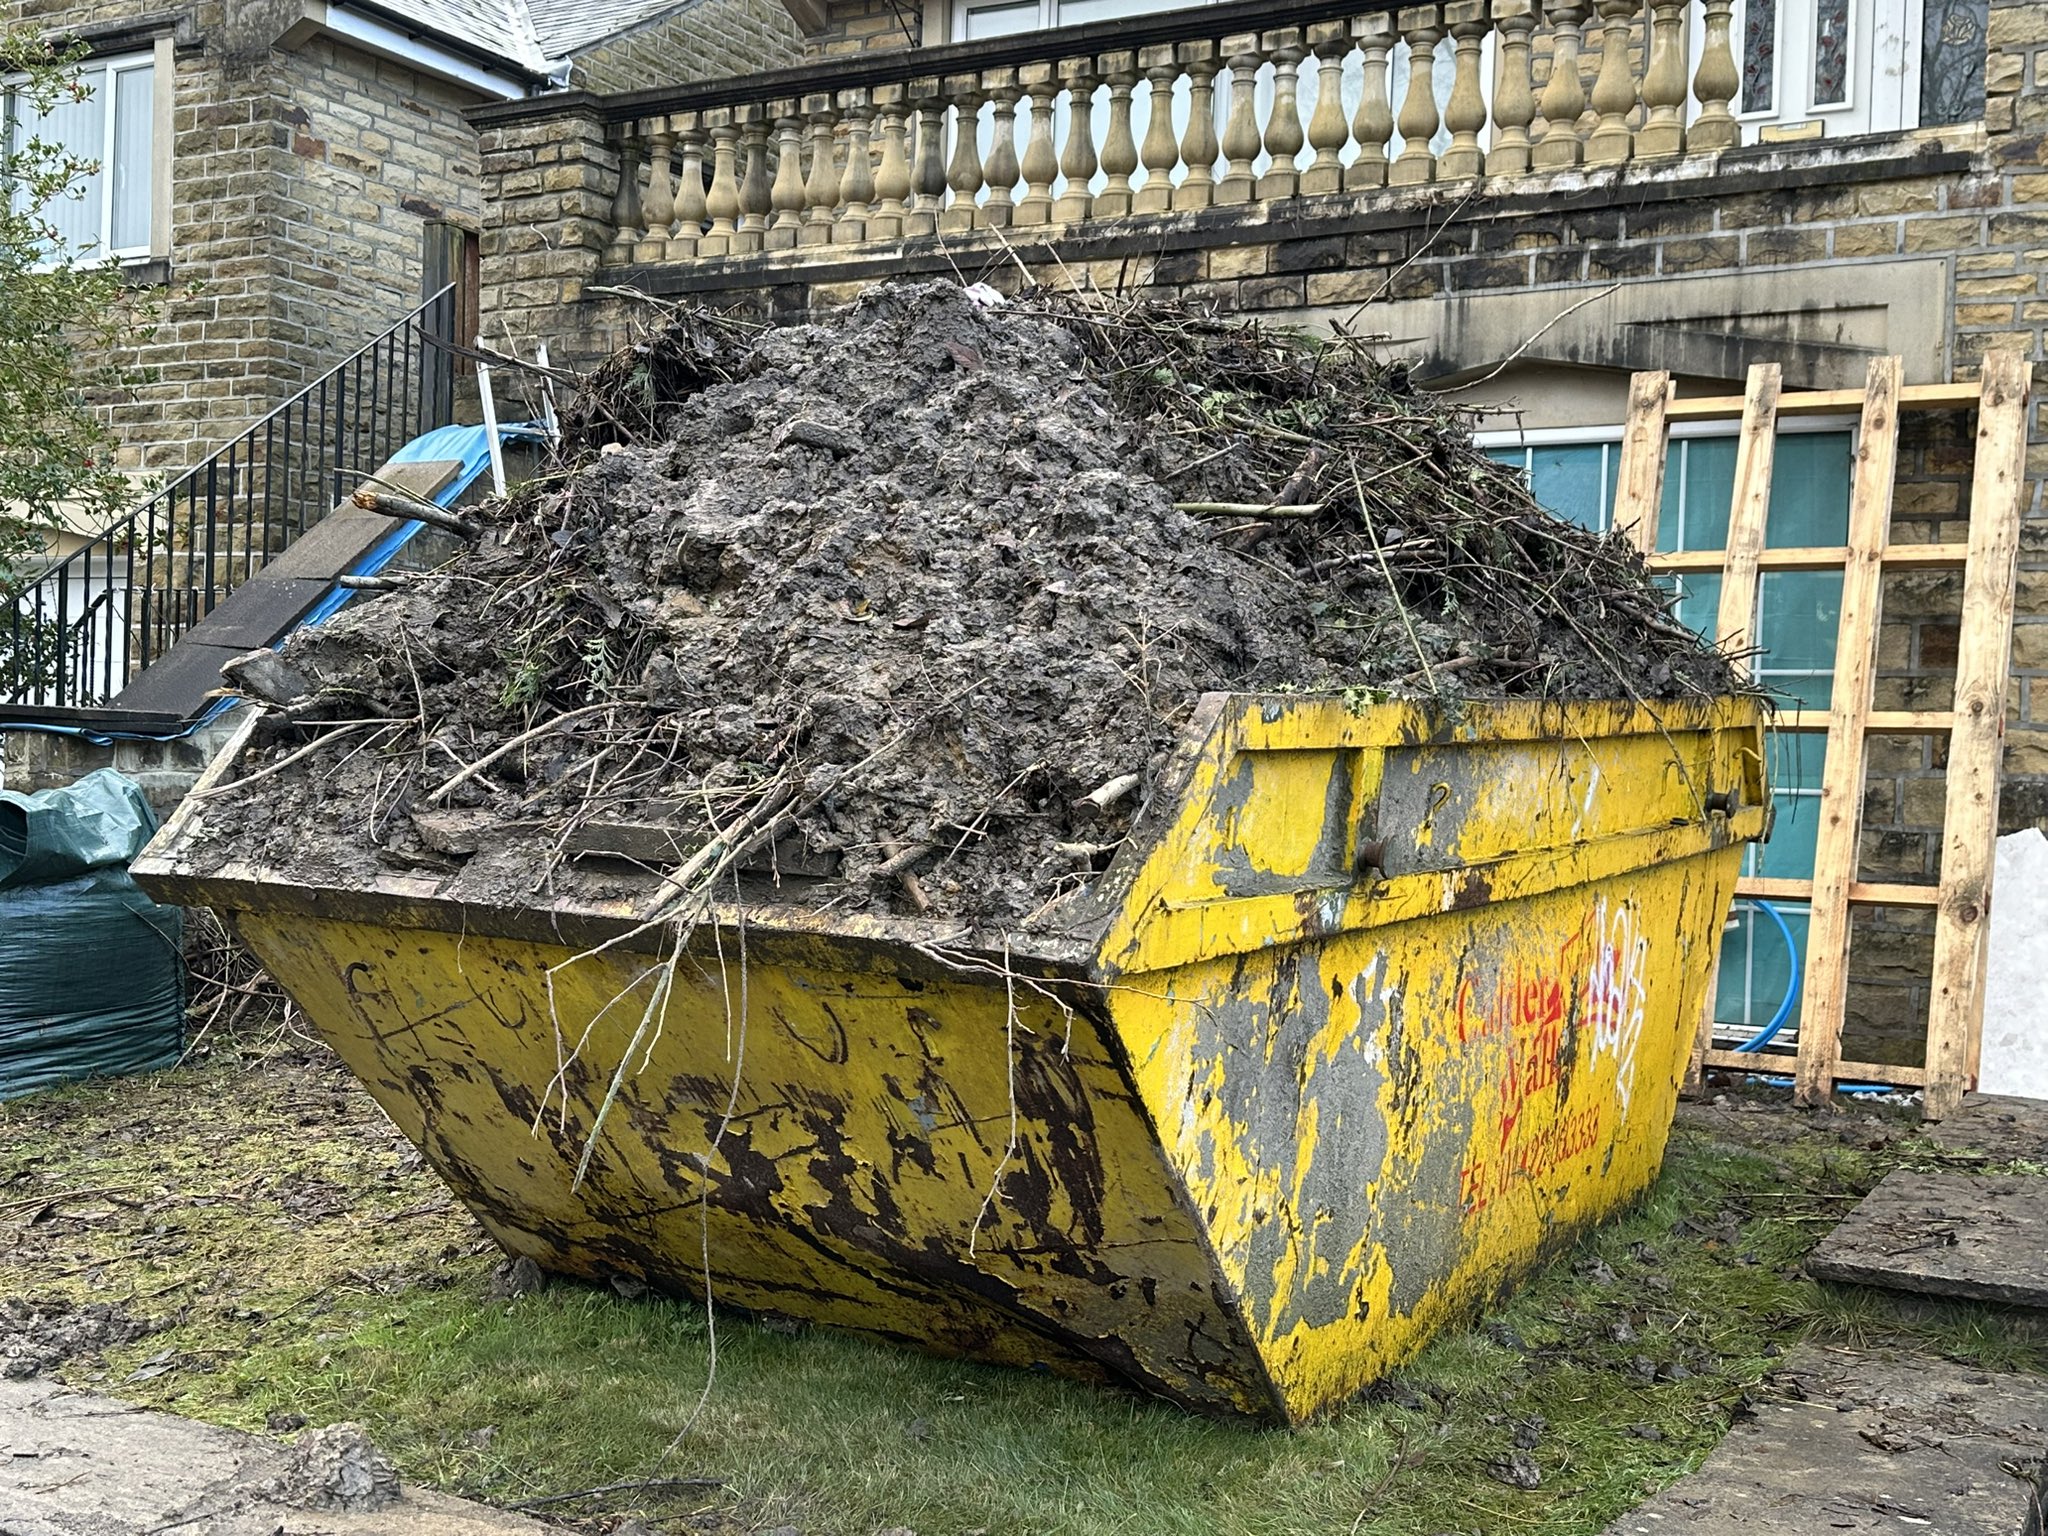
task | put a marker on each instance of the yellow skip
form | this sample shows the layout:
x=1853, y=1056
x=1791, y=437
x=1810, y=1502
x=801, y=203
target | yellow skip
x=1375, y=1008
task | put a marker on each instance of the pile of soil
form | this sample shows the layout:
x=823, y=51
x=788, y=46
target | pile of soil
x=892, y=594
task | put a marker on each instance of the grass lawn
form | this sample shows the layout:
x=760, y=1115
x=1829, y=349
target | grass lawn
x=300, y=1260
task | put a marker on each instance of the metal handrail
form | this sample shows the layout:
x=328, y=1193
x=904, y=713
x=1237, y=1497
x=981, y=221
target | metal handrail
x=102, y=613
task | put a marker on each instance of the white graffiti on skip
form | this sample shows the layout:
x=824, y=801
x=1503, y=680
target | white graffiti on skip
x=1614, y=990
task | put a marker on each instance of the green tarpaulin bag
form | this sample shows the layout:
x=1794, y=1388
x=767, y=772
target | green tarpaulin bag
x=92, y=977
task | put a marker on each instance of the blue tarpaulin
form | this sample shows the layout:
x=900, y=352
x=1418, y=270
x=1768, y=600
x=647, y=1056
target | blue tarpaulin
x=92, y=981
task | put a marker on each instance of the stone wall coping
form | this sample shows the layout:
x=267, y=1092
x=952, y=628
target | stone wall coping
x=894, y=65
x=1875, y=158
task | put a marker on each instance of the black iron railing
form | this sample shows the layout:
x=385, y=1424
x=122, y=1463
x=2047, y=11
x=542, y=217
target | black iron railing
x=95, y=618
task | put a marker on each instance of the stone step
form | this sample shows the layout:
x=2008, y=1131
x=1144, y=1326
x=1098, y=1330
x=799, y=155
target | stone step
x=1981, y=1237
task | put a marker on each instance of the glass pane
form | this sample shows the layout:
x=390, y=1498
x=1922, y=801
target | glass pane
x=1000, y=20
x=78, y=128
x=1699, y=495
x=1810, y=477
x=1759, y=55
x=1789, y=853
x=1800, y=613
x=1830, y=53
x=1757, y=970
x=133, y=113
x=1952, y=61
x=1699, y=603
x=1570, y=479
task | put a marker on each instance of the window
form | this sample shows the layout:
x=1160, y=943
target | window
x=1573, y=473
x=111, y=126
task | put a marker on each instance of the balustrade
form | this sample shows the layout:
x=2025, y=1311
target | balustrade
x=1396, y=97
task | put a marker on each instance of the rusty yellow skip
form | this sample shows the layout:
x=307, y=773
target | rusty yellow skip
x=1376, y=1007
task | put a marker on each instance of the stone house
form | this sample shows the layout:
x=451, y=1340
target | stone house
x=1561, y=194
x=296, y=175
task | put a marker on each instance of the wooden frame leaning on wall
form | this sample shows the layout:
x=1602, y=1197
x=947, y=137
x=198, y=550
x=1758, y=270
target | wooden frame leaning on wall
x=1975, y=725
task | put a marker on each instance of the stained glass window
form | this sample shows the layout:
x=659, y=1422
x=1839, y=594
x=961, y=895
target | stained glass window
x=1952, y=61
x=1759, y=55
x=1830, y=53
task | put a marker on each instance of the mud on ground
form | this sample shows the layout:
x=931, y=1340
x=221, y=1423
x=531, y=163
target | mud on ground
x=892, y=594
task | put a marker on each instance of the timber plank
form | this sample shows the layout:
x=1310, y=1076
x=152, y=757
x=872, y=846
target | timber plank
x=1841, y=798
x=1817, y=557
x=1970, y=815
x=1749, y=513
x=1828, y=402
x=1639, y=481
x=1975, y=1236
x=1846, y=1442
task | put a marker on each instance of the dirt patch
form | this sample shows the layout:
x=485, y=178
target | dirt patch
x=894, y=595
x=38, y=1336
x=336, y=1469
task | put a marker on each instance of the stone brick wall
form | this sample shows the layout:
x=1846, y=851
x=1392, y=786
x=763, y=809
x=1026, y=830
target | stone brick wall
x=699, y=40
x=855, y=26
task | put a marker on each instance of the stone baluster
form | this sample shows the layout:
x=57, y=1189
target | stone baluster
x=1465, y=112
x=1663, y=130
x=1614, y=88
x=821, y=189
x=787, y=196
x=689, y=227
x=1198, y=145
x=723, y=201
x=857, y=181
x=892, y=174
x=1241, y=129
x=964, y=174
x=1077, y=155
x=626, y=203
x=1421, y=26
x=1714, y=85
x=1514, y=103
x=1041, y=165
x=1003, y=89
x=1373, y=125
x=1327, y=131
x=1564, y=95
x=1119, y=147
x=755, y=200
x=1161, y=150
x=659, y=206
x=928, y=168
x=1283, y=124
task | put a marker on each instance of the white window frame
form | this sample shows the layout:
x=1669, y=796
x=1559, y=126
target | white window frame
x=108, y=94
x=1882, y=76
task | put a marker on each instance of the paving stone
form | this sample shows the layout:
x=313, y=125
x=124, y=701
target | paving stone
x=1850, y=1443
x=1983, y=1237
x=2003, y=1129
x=78, y=1464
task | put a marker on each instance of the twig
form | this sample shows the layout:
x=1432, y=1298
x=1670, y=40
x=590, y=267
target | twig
x=420, y=511
x=1106, y=795
x=514, y=744
x=1248, y=509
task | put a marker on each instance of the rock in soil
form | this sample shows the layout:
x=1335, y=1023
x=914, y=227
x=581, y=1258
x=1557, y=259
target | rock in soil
x=336, y=1470
x=892, y=595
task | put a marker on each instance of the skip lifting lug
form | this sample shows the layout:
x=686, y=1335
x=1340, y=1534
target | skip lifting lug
x=1724, y=802
x=1371, y=858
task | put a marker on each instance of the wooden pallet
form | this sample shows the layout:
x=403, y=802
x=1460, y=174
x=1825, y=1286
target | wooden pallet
x=1975, y=725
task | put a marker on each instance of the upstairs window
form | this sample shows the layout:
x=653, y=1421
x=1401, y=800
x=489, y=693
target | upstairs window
x=110, y=125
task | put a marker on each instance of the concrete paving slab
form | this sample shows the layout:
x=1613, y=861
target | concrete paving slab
x=2002, y=1127
x=1851, y=1443
x=1979, y=1236
x=78, y=1464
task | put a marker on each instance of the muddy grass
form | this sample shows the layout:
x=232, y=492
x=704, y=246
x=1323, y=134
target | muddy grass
x=247, y=1240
